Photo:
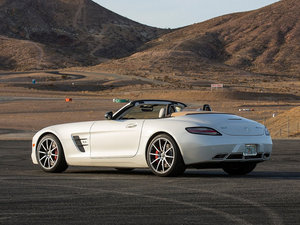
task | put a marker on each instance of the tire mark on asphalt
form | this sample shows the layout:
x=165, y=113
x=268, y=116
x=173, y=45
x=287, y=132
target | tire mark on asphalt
x=94, y=191
x=276, y=219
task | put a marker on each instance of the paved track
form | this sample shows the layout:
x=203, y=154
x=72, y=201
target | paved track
x=269, y=195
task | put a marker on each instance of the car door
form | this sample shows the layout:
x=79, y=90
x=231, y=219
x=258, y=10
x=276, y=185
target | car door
x=115, y=138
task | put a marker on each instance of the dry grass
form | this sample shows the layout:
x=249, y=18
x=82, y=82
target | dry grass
x=286, y=124
x=30, y=107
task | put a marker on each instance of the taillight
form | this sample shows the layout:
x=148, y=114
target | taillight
x=203, y=131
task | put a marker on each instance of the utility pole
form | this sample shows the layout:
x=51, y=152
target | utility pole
x=288, y=127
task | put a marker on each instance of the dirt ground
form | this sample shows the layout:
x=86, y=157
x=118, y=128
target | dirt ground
x=26, y=106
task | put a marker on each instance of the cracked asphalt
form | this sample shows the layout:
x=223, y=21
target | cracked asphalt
x=93, y=195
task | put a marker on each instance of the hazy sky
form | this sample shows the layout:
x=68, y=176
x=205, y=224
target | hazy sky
x=178, y=13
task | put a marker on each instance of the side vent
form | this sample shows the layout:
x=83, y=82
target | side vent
x=80, y=143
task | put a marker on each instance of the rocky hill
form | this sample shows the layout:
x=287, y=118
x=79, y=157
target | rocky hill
x=36, y=34
x=265, y=41
x=40, y=34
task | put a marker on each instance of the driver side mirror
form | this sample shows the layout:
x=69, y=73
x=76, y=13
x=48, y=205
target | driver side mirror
x=109, y=115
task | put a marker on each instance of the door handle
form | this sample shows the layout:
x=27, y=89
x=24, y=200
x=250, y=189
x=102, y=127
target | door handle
x=131, y=125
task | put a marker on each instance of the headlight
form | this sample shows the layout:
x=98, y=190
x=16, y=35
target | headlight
x=203, y=131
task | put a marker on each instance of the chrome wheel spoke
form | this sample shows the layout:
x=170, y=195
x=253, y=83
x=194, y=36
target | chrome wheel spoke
x=153, y=154
x=158, y=165
x=43, y=147
x=159, y=142
x=155, y=148
x=48, y=162
x=164, y=148
x=51, y=160
x=49, y=147
x=154, y=161
x=167, y=163
x=168, y=150
x=44, y=163
x=47, y=144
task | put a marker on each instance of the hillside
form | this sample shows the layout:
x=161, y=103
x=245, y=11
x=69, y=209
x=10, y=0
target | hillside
x=286, y=124
x=37, y=34
x=260, y=41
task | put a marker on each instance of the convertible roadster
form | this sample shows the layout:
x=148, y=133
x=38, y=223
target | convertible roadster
x=157, y=134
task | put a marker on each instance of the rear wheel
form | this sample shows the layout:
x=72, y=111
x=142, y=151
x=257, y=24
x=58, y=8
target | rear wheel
x=163, y=156
x=239, y=168
x=50, y=154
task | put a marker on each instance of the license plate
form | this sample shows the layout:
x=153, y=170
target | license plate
x=250, y=150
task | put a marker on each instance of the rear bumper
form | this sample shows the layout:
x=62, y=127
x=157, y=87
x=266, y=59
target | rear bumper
x=216, y=149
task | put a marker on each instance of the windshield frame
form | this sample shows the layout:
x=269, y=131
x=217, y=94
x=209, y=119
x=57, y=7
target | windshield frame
x=121, y=112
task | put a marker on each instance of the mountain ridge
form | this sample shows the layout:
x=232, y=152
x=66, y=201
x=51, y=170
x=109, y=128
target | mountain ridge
x=38, y=34
x=265, y=41
x=78, y=32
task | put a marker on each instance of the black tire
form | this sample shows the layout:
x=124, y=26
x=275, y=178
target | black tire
x=50, y=154
x=164, y=157
x=124, y=169
x=239, y=168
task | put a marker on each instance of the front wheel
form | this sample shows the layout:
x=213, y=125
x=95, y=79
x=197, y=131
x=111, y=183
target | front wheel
x=163, y=156
x=239, y=168
x=50, y=154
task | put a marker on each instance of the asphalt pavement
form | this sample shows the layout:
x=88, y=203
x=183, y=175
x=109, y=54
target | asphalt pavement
x=81, y=195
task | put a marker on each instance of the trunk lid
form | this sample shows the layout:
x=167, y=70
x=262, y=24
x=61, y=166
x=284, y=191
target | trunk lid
x=228, y=124
x=238, y=126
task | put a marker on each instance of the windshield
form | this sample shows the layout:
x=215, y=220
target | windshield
x=149, y=111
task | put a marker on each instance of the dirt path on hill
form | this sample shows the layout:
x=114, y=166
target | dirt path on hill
x=80, y=14
x=40, y=51
x=96, y=49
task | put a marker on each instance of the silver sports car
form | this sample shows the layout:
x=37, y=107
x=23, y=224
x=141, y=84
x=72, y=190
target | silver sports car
x=156, y=134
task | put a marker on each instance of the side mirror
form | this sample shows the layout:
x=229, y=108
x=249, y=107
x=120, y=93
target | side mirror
x=109, y=115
